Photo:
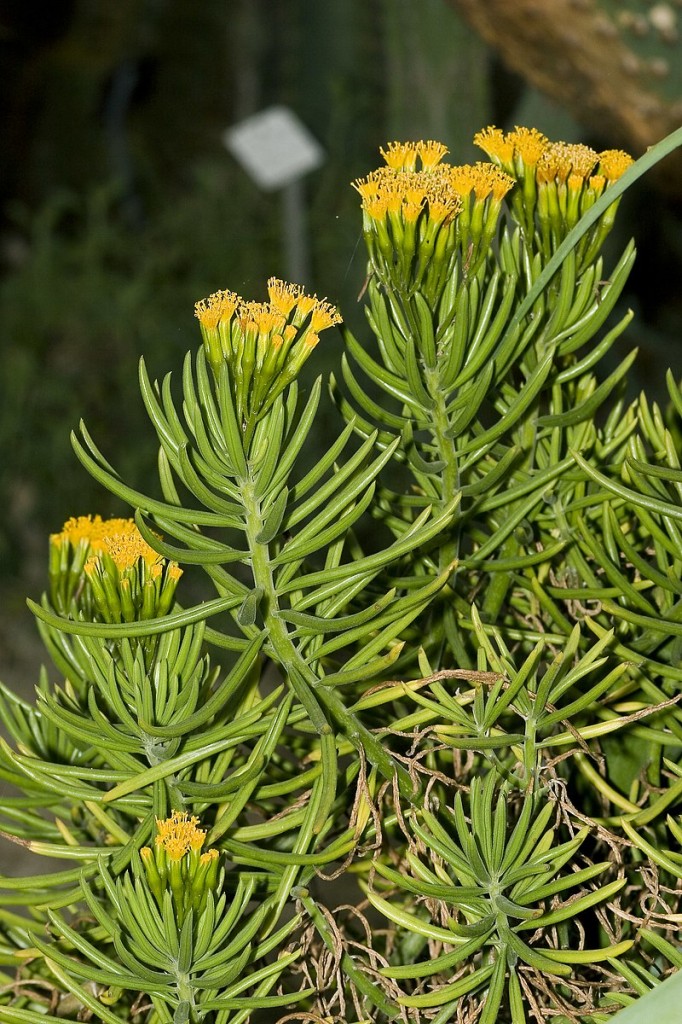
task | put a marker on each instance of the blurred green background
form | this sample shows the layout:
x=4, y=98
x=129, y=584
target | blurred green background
x=120, y=206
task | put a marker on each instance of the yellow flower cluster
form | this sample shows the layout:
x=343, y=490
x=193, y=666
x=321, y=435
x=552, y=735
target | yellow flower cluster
x=517, y=151
x=418, y=212
x=392, y=191
x=482, y=179
x=403, y=156
x=119, y=538
x=176, y=864
x=437, y=190
x=288, y=309
x=263, y=344
x=179, y=834
x=558, y=183
x=127, y=578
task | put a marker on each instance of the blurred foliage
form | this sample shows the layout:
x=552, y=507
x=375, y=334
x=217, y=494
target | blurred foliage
x=91, y=293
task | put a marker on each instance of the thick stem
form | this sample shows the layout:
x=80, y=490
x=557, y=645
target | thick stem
x=447, y=452
x=185, y=991
x=320, y=702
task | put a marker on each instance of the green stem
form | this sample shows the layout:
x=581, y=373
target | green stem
x=185, y=991
x=319, y=702
x=449, y=550
x=448, y=454
x=154, y=752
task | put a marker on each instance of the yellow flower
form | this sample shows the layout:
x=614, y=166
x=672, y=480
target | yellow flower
x=260, y=318
x=99, y=533
x=496, y=144
x=407, y=193
x=218, y=306
x=561, y=159
x=557, y=185
x=179, y=834
x=482, y=179
x=517, y=153
x=120, y=539
x=443, y=202
x=305, y=303
x=417, y=222
x=126, y=544
x=582, y=158
x=431, y=153
x=597, y=183
x=613, y=163
x=127, y=578
x=323, y=315
x=401, y=156
x=529, y=144
x=283, y=296
x=370, y=187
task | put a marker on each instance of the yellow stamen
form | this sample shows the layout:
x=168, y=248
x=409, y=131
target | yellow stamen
x=613, y=163
x=87, y=528
x=431, y=153
x=375, y=206
x=394, y=200
x=126, y=548
x=219, y=306
x=561, y=159
x=528, y=143
x=415, y=193
x=324, y=315
x=546, y=170
x=282, y=295
x=411, y=211
x=270, y=320
x=484, y=179
x=500, y=183
x=462, y=179
x=179, y=834
x=249, y=315
x=119, y=538
x=306, y=303
x=597, y=182
x=553, y=165
x=583, y=159
x=402, y=156
x=371, y=185
x=495, y=143
x=444, y=202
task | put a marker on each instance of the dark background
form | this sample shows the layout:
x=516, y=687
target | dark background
x=120, y=207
